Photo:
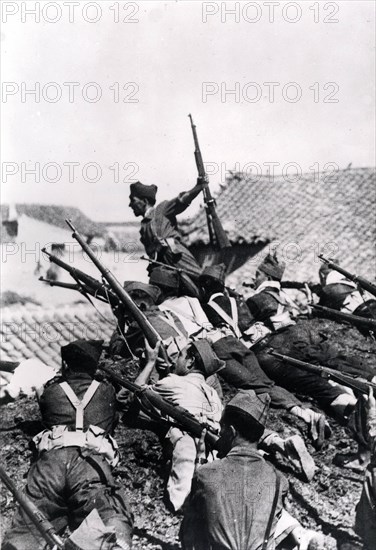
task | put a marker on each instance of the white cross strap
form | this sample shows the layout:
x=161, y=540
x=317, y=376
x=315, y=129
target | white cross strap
x=78, y=404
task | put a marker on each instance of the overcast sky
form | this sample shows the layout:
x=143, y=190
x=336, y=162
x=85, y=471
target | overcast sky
x=176, y=58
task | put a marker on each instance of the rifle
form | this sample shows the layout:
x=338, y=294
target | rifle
x=147, y=328
x=85, y=282
x=150, y=399
x=363, y=322
x=217, y=234
x=45, y=528
x=313, y=287
x=85, y=290
x=360, y=281
x=356, y=383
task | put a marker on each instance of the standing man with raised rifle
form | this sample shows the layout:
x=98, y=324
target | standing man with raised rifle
x=159, y=229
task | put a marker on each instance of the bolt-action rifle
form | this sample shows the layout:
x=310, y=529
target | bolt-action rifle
x=151, y=400
x=45, y=528
x=360, y=281
x=363, y=322
x=147, y=328
x=217, y=234
x=85, y=282
x=356, y=383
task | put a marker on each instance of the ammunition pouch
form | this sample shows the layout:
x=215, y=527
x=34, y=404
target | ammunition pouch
x=94, y=439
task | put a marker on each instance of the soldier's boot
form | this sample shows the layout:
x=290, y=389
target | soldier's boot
x=318, y=427
x=293, y=448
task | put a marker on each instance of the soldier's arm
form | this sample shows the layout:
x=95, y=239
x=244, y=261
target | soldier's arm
x=183, y=200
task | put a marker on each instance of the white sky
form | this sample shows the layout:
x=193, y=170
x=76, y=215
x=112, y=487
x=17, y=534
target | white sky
x=169, y=53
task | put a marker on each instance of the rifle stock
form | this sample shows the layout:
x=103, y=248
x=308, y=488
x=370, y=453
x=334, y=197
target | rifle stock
x=147, y=328
x=361, y=281
x=349, y=317
x=358, y=384
x=45, y=528
x=187, y=421
x=216, y=232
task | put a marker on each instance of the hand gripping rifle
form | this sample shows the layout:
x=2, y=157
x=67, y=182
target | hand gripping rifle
x=355, y=383
x=45, y=528
x=147, y=328
x=363, y=322
x=217, y=234
x=360, y=281
x=151, y=400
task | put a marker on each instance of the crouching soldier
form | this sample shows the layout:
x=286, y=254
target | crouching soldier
x=71, y=476
x=236, y=503
x=186, y=387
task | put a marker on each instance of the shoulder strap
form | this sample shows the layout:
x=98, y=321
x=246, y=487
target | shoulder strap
x=78, y=404
x=272, y=513
x=232, y=320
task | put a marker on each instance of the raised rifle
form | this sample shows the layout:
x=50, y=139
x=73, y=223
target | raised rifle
x=360, y=281
x=45, y=528
x=217, y=234
x=150, y=400
x=363, y=322
x=356, y=383
x=147, y=328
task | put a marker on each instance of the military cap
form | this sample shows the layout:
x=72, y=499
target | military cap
x=216, y=272
x=151, y=290
x=210, y=362
x=272, y=266
x=82, y=354
x=142, y=191
x=249, y=404
x=164, y=277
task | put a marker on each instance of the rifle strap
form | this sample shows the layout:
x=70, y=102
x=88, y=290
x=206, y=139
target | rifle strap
x=272, y=513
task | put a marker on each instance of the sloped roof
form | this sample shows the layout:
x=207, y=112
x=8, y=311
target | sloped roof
x=56, y=215
x=29, y=331
x=330, y=213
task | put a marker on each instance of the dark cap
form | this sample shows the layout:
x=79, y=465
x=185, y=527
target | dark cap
x=272, y=266
x=82, y=355
x=248, y=403
x=151, y=290
x=216, y=272
x=162, y=276
x=209, y=360
x=142, y=191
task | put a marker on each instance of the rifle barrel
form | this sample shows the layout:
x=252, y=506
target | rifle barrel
x=147, y=328
x=361, y=281
x=183, y=417
x=357, y=384
x=45, y=528
x=349, y=317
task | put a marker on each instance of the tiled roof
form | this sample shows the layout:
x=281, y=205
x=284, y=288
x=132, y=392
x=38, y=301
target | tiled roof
x=31, y=331
x=329, y=213
x=56, y=215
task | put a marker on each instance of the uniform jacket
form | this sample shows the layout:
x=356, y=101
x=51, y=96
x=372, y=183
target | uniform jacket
x=161, y=238
x=56, y=409
x=230, y=503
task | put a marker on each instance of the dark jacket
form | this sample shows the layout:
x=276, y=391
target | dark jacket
x=230, y=503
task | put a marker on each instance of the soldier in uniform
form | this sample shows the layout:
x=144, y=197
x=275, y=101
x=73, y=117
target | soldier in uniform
x=186, y=387
x=71, y=476
x=237, y=502
x=159, y=232
x=276, y=329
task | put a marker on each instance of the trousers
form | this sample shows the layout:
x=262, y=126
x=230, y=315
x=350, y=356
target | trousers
x=66, y=484
x=243, y=371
